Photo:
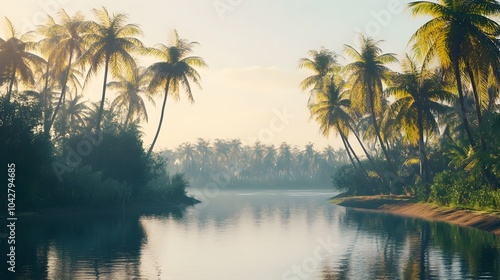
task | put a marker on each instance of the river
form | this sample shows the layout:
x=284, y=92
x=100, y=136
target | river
x=257, y=235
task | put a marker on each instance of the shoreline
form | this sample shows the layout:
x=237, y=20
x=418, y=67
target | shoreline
x=409, y=207
x=143, y=206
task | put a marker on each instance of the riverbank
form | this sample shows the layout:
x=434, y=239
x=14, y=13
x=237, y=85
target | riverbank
x=143, y=206
x=408, y=207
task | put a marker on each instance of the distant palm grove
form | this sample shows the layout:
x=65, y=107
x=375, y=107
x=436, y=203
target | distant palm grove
x=255, y=166
x=430, y=129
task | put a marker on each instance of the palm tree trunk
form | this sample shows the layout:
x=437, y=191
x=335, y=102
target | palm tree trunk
x=461, y=101
x=350, y=157
x=490, y=177
x=377, y=132
x=129, y=113
x=366, y=153
x=424, y=176
x=63, y=91
x=103, y=98
x=12, y=79
x=161, y=117
x=349, y=147
x=45, y=103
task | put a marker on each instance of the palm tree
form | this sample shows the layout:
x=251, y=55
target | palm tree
x=175, y=70
x=111, y=43
x=129, y=90
x=323, y=63
x=46, y=46
x=418, y=94
x=75, y=114
x=16, y=62
x=70, y=45
x=330, y=110
x=459, y=34
x=284, y=161
x=367, y=74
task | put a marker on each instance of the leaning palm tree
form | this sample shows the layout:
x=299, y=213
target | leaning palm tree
x=69, y=47
x=130, y=90
x=366, y=77
x=16, y=61
x=330, y=110
x=419, y=95
x=175, y=70
x=460, y=34
x=111, y=43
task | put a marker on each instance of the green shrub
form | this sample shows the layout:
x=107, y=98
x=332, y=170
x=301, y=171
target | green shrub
x=463, y=189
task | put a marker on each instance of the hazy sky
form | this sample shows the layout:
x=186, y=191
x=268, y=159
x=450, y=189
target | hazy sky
x=250, y=90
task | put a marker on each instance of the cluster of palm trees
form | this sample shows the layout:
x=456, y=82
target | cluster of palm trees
x=454, y=91
x=53, y=63
x=258, y=163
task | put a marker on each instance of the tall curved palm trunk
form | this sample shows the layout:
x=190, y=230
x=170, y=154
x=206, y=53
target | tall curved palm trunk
x=161, y=117
x=63, y=91
x=103, y=98
x=377, y=132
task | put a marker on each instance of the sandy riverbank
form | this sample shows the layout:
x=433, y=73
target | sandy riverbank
x=400, y=205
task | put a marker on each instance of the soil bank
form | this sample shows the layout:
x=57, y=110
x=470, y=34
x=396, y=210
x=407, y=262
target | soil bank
x=408, y=207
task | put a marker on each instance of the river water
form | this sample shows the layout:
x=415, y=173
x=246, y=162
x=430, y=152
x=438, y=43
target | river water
x=257, y=235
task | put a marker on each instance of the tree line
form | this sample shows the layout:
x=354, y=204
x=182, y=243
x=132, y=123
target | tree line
x=46, y=125
x=53, y=63
x=431, y=129
x=258, y=165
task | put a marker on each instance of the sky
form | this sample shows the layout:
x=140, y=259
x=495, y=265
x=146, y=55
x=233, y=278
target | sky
x=251, y=88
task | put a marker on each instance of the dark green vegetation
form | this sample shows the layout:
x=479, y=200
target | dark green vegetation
x=431, y=130
x=69, y=152
x=259, y=165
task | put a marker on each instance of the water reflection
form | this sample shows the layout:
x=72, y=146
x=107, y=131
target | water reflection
x=413, y=249
x=83, y=246
x=251, y=236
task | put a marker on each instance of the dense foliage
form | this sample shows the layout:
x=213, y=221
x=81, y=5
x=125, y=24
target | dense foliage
x=70, y=152
x=430, y=130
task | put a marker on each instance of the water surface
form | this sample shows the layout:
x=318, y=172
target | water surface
x=254, y=235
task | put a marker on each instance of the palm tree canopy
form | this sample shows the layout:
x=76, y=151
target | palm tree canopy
x=130, y=90
x=367, y=73
x=457, y=28
x=323, y=63
x=417, y=90
x=329, y=107
x=110, y=38
x=176, y=65
x=15, y=59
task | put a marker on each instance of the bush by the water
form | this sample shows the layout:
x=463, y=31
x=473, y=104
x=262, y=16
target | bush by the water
x=463, y=189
